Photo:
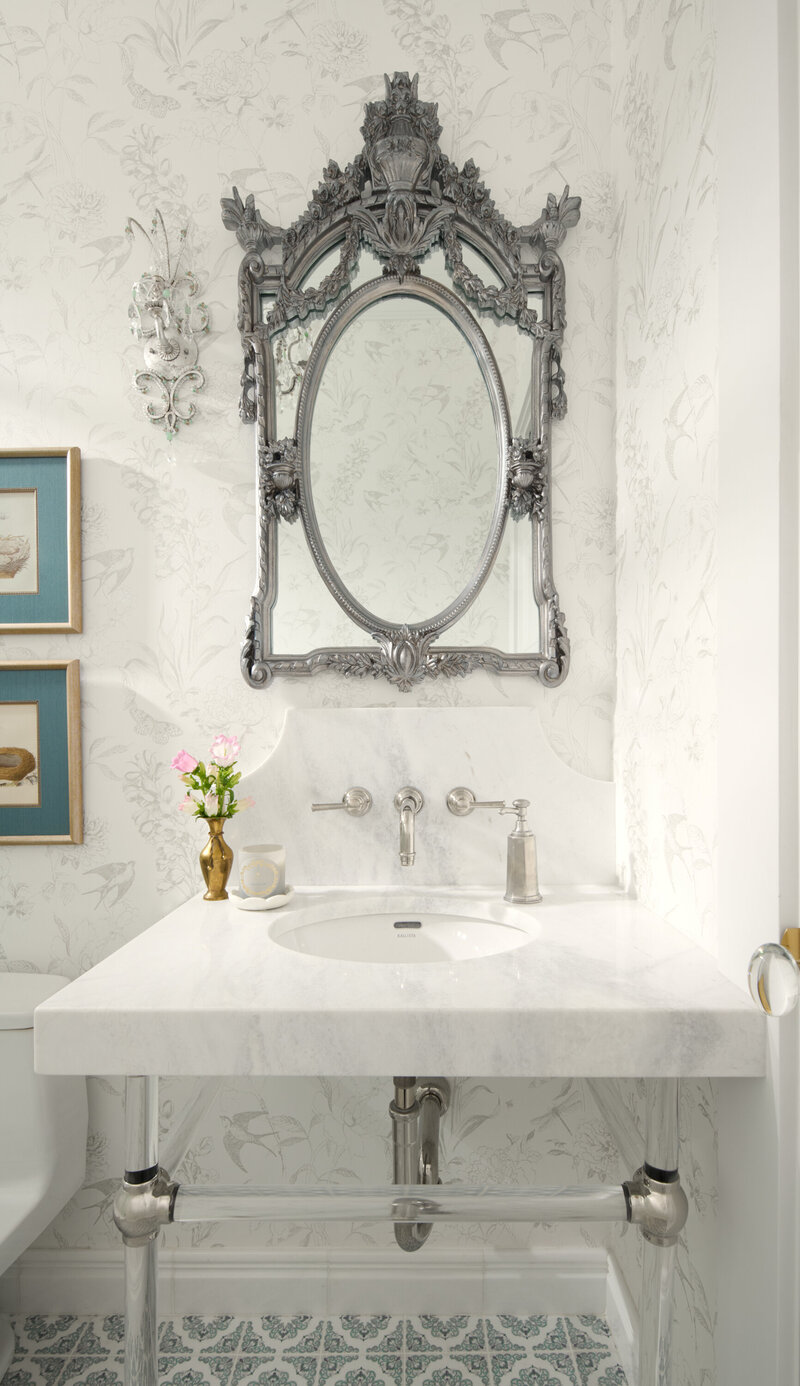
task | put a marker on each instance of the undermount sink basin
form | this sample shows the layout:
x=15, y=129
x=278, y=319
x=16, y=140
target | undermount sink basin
x=416, y=936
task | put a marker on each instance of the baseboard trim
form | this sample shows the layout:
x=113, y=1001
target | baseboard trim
x=440, y=1281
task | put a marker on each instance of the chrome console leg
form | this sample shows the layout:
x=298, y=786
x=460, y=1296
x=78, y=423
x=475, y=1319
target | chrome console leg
x=660, y=1178
x=138, y=1231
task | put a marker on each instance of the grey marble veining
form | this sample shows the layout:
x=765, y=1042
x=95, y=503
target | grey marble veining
x=602, y=988
x=499, y=753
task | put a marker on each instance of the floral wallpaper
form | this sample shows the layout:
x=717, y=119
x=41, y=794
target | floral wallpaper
x=110, y=108
x=666, y=374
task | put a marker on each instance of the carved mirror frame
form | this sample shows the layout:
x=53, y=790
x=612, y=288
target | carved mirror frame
x=401, y=196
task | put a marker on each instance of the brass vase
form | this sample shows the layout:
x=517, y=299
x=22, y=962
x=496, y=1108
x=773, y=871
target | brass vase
x=216, y=860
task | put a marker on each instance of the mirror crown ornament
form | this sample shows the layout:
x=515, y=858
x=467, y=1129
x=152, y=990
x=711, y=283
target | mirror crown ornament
x=400, y=136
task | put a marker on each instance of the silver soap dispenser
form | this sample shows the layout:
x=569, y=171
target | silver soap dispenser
x=522, y=875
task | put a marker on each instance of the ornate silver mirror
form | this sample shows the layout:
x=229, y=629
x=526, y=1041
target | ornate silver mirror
x=403, y=403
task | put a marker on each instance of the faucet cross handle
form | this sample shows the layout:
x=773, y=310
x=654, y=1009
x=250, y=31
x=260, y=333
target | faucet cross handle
x=461, y=801
x=355, y=801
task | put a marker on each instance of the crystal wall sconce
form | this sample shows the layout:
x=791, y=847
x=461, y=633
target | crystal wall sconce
x=164, y=316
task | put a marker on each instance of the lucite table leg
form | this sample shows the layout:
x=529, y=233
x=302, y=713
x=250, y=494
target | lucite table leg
x=655, y=1315
x=141, y=1254
x=658, y=1263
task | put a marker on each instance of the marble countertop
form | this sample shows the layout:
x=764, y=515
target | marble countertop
x=603, y=988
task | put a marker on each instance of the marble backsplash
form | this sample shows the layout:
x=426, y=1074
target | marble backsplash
x=498, y=753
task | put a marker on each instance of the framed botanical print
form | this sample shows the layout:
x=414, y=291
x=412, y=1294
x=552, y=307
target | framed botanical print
x=40, y=541
x=41, y=796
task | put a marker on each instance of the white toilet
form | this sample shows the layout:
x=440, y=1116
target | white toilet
x=43, y=1124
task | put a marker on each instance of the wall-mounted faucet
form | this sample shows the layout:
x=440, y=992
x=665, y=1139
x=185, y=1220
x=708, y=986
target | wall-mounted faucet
x=408, y=803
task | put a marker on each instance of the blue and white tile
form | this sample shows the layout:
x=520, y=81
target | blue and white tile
x=599, y=1369
x=34, y=1371
x=218, y=1334
x=48, y=1335
x=588, y=1331
x=249, y=1371
x=538, y=1333
x=275, y=1332
x=88, y=1371
x=554, y=1369
x=453, y=1374
x=592, y=1365
x=447, y=1333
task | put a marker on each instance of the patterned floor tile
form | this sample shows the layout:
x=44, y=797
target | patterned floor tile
x=34, y=1371
x=505, y=1364
x=247, y=1370
x=111, y=1329
x=216, y=1366
x=301, y=1350
x=183, y=1376
x=591, y=1365
x=170, y=1362
x=83, y=1372
x=302, y=1369
x=309, y=1341
x=48, y=1334
x=603, y=1372
x=277, y=1329
x=588, y=1331
x=357, y=1374
x=417, y=1365
x=367, y=1328
x=554, y=1369
x=539, y=1333
x=445, y=1332
x=476, y=1363
x=455, y=1375
x=417, y=1341
x=393, y=1341
x=220, y=1334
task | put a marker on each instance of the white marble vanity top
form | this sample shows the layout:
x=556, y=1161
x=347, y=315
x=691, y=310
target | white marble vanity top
x=603, y=988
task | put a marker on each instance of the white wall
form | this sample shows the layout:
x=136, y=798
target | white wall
x=111, y=109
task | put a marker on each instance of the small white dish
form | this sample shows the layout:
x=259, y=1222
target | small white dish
x=256, y=902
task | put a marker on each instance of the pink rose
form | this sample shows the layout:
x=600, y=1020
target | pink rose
x=224, y=749
x=184, y=763
x=186, y=806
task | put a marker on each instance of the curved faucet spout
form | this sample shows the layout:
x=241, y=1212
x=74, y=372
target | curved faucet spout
x=407, y=853
x=408, y=803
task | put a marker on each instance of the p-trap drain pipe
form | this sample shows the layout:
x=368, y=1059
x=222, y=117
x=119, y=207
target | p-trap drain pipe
x=416, y=1113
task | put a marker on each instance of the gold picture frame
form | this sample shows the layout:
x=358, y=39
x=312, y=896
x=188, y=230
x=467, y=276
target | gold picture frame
x=40, y=707
x=40, y=541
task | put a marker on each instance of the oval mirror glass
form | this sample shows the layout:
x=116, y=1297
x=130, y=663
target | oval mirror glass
x=404, y=459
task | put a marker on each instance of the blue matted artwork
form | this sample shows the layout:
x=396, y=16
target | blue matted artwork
x=40, y=779
x=40, y=541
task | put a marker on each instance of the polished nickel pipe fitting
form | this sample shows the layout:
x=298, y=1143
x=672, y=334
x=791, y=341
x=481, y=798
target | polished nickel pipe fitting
x=416, y=1113
x=141, y=1210
x=658, y=1207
